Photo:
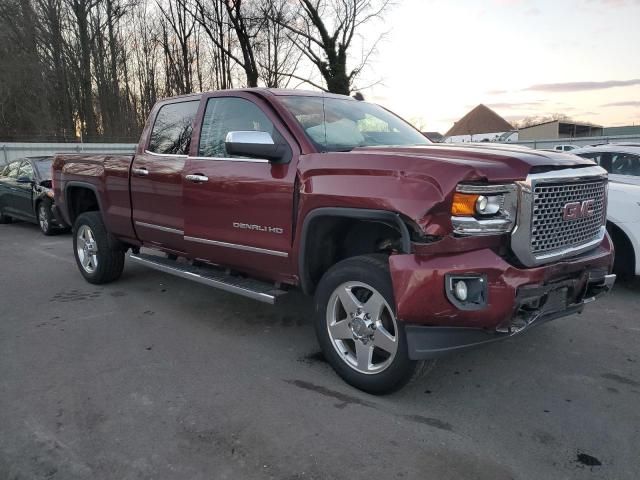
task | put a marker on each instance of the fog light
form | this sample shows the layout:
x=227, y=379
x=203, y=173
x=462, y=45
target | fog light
x=461, y=290
x=467, y=291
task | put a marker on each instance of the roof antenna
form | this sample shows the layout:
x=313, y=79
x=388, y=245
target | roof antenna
x=358, y=96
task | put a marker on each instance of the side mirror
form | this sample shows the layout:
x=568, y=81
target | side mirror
x=24, y=180
x=254, y=144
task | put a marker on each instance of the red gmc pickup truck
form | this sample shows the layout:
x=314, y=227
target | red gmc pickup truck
x=411, y=249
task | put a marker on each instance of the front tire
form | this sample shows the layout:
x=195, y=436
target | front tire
x=45, y=219
x=99, y=259
x=357, y=328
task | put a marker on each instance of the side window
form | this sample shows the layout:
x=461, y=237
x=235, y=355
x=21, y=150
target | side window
x=12, y=170
x=171, y=133
x=625, y=164
x=26, y=170
x=229, y=114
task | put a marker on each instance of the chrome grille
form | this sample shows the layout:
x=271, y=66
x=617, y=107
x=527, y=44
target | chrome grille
x=549, y=231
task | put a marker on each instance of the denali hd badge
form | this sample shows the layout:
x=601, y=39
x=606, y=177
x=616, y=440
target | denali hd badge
x=576, y=210
x=259, y=228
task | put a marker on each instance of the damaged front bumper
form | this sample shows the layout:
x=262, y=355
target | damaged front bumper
x=514, y=299
x=426, y=342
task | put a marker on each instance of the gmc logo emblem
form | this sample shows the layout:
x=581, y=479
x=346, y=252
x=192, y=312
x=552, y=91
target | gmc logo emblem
x=576, y=210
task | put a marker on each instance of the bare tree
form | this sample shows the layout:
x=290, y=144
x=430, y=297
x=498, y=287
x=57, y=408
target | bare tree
x=277, y=55
x=221, y=17
x=177, y=31
x=94, y=68
x=324, y=32
x=538, y=119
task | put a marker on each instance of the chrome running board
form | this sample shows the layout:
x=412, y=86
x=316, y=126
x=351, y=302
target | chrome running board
x=247, y=287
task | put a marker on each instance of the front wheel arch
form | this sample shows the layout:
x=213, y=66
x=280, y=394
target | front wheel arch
x=392, y=220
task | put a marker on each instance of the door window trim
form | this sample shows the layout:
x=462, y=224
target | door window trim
x=194, y=123
x=174, y=155
x=204, y=102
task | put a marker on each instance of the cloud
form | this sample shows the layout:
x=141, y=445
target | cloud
x=512, y=106
x=631, y=103
x=497, y=92
x=620, y=3
x=582, y=86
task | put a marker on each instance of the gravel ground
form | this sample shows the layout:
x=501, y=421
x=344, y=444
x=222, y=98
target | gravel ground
x=157, y=377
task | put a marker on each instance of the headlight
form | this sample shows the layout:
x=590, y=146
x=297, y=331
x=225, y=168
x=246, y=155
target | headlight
x=484, y=209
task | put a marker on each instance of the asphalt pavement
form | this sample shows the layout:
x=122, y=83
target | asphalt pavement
x=155, y=377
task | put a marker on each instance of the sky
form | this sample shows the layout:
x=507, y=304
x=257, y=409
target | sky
x=438, y=59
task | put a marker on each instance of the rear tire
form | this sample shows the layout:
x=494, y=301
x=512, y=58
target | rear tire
x=5, y=218
x=99, y=257
x=357, y=328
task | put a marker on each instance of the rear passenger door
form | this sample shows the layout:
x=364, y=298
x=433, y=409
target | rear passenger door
x=9, y=188
x=156, y=176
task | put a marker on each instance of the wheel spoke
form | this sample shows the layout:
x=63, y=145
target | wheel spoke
x=341, y=330
x=364, y=354
x=374, y=306
x=86, y=261
x=348, y=299
x=383, y=340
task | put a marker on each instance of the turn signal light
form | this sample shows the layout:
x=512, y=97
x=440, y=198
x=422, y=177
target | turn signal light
x=464, y=204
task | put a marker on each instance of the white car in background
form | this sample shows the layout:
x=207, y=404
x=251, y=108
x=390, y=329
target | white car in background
x=622, y=161
x=565, y=148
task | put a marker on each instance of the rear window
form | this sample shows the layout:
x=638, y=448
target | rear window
x=171, y=133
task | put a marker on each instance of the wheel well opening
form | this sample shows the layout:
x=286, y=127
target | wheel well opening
x=625, y=258
x=332, y=239
x=80, y=200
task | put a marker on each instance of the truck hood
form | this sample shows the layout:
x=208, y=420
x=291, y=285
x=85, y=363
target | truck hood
x=493, y=163
x=417, y=182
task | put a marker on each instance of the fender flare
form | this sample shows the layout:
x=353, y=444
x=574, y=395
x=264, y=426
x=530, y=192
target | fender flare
x=384, y=216
x=76, y=183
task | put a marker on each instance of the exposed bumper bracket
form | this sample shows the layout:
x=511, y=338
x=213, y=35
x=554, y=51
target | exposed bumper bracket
x=536, y=305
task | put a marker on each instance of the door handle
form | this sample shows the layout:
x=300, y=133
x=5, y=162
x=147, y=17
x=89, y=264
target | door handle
x=197, y=178
x=140, y=172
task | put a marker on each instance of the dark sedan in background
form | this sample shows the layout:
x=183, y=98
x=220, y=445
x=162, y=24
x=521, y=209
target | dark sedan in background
x=26, y=194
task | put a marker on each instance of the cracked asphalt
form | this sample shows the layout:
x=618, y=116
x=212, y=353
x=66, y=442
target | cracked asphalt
x=154, y=377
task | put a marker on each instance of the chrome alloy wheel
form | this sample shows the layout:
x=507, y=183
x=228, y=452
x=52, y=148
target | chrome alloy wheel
x=43, y=219
x=362, y=327
x=87, y=249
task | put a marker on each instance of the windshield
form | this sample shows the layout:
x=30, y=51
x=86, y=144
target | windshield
x=335, y=124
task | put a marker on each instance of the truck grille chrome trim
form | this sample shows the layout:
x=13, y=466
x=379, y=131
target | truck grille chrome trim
x=246, y=248
x=544, y=232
